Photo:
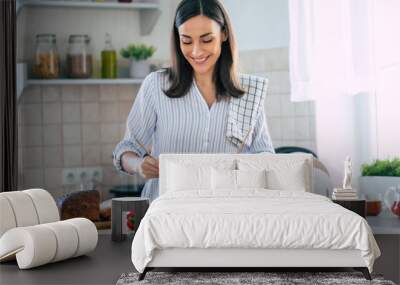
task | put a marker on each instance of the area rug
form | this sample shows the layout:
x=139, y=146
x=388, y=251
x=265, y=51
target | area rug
x=244, y=278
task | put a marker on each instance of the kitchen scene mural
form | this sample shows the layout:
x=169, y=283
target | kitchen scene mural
x=81, y=64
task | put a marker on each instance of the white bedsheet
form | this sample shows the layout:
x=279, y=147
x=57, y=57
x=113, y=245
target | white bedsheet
x=252, y=218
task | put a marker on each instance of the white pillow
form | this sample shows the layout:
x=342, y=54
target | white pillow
x=251, y=178
x=282, y=174
x=223, y=179
x=288, y=177
x=188, y=177
x=227, y=179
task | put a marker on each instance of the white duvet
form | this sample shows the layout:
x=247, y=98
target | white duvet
x=253, y=218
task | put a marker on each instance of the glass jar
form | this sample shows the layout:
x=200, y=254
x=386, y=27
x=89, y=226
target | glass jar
x=46, y=64
x=79, y=57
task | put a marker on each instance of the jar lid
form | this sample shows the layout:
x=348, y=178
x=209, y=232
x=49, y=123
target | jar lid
x=79, y=38
x=46, y=37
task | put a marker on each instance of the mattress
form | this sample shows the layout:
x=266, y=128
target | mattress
x=250, y=219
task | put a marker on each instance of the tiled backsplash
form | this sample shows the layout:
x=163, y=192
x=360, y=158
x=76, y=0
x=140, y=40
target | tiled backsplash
x=78, y=126
x=72, y=126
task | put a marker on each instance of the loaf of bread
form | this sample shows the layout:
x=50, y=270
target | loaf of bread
x=85, y=204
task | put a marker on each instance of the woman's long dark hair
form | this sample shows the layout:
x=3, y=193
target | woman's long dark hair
x=181, y=72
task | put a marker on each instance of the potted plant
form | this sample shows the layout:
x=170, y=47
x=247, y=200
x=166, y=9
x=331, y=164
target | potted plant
x=378, y=176
x=138, y=55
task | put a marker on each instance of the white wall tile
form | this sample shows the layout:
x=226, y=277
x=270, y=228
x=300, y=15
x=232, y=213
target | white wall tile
x=273, y=106
x=288, y=109
x=32, y=94
x=52, y=135
x=106, y=153
x=52, y=177
x=32, y=114
x=128, y=92
x=122, y=130
x=90, y=133
x=288, y=128
x=90, y=112
x=72, y=155
x=312, y=108
x=276, y=59
x=110, y=133
x=302, y=128
x=301, y=108
x=51, y=93
x=288, y=143
x=71, y=112
x=273, y=82
x=91, y=155
x=33, y=136
x=108, y=93
x=33, y=178
x=275, y=128
x=304, y=143
x=277, y=143
x=109, y=112
x=53, y=156
x=72, y=134
x=124, y=109
x=278, y=82
x=312, y=128
x=283, y=82
x=52, y=113
x=90, y=93
x=33, y=157
x=70, y=93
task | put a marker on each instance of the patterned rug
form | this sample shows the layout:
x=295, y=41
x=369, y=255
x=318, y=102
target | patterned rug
x=244, y=278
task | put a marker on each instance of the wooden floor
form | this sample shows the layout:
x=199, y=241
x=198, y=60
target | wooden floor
x=103, y=266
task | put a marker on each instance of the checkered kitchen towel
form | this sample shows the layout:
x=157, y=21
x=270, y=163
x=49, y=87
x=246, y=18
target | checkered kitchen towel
x=243, y=111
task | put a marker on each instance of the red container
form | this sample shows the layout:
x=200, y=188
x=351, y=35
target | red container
x=374, y=208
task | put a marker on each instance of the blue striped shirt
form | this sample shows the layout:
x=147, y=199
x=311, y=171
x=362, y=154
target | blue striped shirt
x=181, y=125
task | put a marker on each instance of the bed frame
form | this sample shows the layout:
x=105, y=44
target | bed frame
x=232, y=259
x=248, y=259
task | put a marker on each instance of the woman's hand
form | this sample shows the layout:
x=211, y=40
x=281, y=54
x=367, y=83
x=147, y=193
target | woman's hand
x=150, y=167
x=146, y=167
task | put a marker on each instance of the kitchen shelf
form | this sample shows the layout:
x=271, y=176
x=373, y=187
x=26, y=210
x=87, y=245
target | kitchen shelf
x=23, y=80
x=90, y=81
x=92, y=4
x=149, y=12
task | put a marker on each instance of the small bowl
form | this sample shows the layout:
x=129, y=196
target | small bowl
x=374, y=208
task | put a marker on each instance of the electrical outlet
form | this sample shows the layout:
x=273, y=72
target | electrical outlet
x=69, y=176
x=75, y=176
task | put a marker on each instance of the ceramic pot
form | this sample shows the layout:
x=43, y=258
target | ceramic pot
x=139, y=68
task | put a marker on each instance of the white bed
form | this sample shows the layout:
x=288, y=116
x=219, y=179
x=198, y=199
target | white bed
x=201, y=219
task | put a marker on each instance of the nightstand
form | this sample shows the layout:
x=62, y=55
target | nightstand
x=357, y=206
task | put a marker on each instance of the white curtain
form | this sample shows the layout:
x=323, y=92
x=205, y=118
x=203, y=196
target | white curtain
x=331, y=48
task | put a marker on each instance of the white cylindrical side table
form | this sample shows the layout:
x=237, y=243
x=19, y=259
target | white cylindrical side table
x=120, y=212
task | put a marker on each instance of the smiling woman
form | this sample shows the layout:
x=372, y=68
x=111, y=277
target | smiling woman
x=203, y=47
x=200, y=104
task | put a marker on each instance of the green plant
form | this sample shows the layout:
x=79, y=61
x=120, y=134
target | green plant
x=138, y=52
x=382, y=168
